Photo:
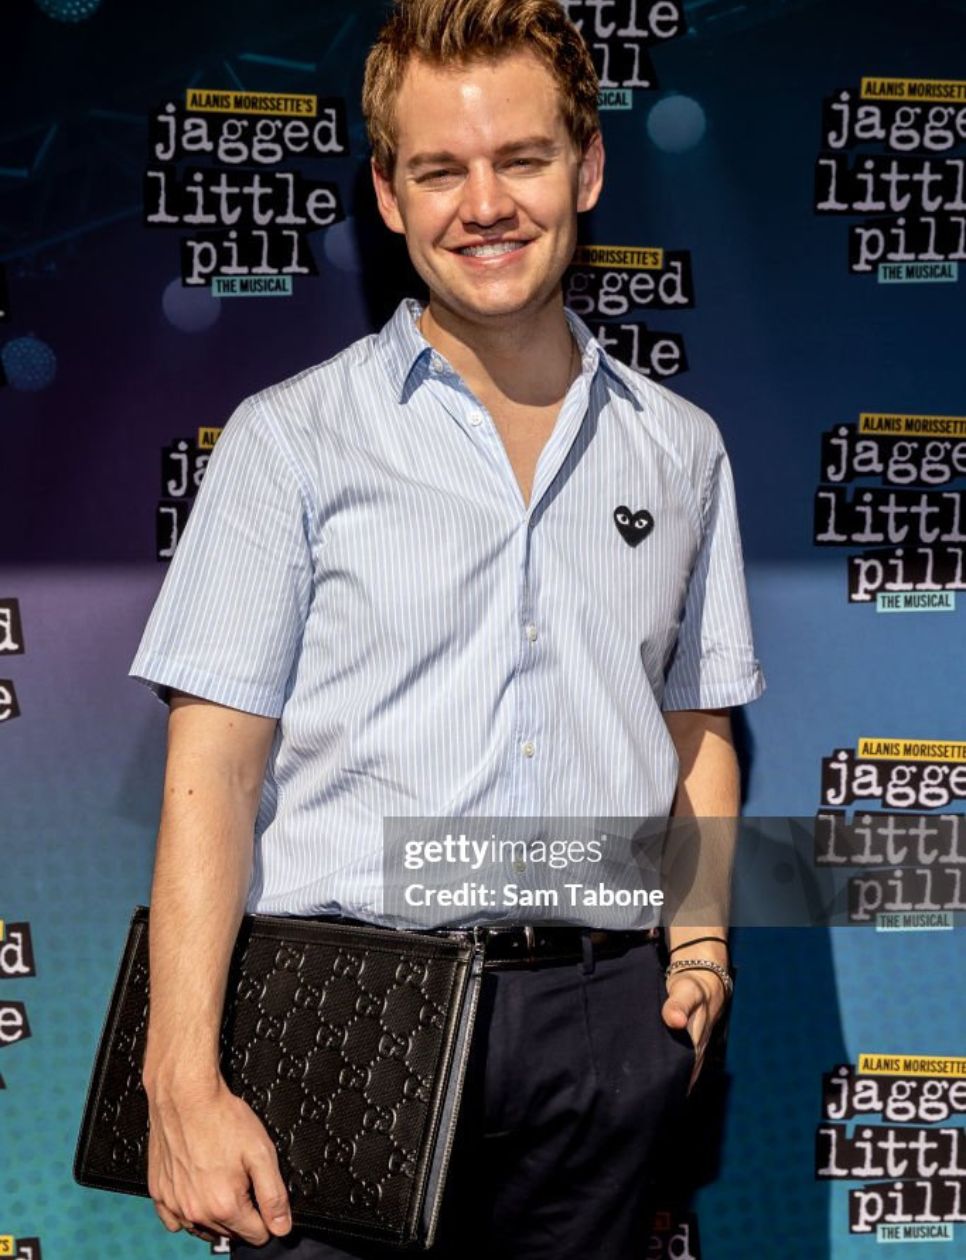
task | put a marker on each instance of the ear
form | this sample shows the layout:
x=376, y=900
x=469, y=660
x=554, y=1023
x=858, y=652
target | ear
x=591, y=174
x=386, y=199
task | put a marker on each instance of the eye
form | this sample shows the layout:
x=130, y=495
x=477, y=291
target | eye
x=622, y=518
x=640, y=524
x=434, y=175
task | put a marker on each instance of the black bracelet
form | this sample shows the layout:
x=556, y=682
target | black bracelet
x=697, y=941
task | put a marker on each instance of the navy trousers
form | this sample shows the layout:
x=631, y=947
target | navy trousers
x=572, y=1080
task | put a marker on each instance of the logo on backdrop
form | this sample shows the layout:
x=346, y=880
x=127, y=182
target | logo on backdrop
x=249, y=221
x=19, y=1248
x=16, y=963
x=908, y=181
x=920, y=1150
x=183, y=465
x=910, y=866
x=914, y=520
x=617, y=284
x=618, y=33
x=11, y=644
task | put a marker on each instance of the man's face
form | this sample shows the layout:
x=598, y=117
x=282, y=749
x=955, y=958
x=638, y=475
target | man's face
x=484, y=155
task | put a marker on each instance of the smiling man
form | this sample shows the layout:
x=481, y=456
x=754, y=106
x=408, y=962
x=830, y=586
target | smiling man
x=486, y=185
x=469, y=567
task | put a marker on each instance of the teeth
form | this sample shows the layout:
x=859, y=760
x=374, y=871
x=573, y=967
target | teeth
x=483, y=251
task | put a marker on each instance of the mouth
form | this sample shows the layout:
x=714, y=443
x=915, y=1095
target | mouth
x=488, y=248
x=491, y=251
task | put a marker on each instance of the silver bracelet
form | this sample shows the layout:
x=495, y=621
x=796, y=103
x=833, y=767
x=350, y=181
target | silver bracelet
x=703, y=964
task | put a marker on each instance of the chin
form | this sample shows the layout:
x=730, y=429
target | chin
x=495, y=310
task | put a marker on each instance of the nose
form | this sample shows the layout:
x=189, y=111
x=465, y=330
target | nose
x=486, y=200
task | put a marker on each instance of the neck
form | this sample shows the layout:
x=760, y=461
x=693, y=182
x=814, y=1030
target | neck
x=531, y=364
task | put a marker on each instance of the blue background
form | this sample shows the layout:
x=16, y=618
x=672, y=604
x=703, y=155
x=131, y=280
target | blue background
x=782, y=344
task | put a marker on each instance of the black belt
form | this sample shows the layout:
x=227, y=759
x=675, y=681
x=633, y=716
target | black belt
x=508, y=945
x=530, y=945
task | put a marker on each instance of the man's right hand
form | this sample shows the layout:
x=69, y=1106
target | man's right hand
x=209, y=1157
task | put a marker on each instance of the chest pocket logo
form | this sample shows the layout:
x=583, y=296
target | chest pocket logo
x=633, y=527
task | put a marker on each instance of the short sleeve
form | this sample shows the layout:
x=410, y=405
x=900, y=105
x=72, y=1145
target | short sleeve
x=228, y=621
x=713, y=664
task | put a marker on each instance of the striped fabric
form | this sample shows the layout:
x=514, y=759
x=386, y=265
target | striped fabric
x=359, y=563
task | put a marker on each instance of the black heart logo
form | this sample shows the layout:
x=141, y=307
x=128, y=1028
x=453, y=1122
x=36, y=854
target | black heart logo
x=634, y=526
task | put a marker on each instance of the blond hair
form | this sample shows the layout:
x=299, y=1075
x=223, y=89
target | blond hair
x=457, y=32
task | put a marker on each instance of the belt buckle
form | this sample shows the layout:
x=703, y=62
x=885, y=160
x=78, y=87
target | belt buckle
x=484, y=933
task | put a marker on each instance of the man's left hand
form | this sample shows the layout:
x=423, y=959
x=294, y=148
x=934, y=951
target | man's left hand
x=695, y=1001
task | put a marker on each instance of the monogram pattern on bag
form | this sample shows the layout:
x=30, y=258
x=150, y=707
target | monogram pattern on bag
x=342, y=1043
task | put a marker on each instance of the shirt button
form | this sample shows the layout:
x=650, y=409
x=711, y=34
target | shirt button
x=531, y=632
x=436, y=363
x=475, y=418
x=519, y=866
x=529, y=748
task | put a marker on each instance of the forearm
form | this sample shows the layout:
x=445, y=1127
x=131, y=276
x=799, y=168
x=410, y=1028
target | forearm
x=201, y=876
x=708, y=789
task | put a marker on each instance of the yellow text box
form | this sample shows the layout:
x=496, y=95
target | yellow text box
x=875, y=748
x=296, y=104
x=207, y=437
x=910, y=1065
x=880, y=88
x=894, y=424
x=632, y=257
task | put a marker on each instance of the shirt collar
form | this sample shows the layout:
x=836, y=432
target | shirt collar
x=407, y=355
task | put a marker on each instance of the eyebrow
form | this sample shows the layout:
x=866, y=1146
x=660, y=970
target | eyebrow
x=543, y=144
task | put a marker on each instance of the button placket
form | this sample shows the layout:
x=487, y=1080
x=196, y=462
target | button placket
x=526, y=778
x=564, y=434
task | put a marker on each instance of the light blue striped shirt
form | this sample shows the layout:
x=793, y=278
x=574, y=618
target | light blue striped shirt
x=359, y=563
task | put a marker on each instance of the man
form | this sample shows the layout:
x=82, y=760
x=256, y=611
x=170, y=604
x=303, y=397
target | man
x=406, y=589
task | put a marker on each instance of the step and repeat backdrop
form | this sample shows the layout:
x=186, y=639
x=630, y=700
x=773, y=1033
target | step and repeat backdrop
x=186, y=216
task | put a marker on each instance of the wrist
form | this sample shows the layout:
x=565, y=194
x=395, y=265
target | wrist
x=175, y=1076
x=698, y=943
x=699, y=955
x=700, y=967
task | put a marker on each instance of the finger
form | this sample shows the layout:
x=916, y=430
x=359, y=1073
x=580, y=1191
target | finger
x=223, y=1210
x=168, y=1218
x=268, y=1189
x=684, y=997
x=242, y=1219
x=206, y=1235
x=698, y=1064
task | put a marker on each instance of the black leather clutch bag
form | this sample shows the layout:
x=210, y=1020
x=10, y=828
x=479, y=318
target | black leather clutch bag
x=349, y=1043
